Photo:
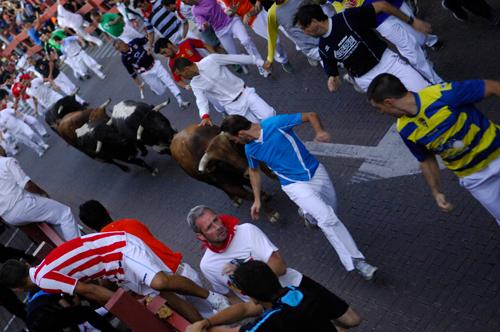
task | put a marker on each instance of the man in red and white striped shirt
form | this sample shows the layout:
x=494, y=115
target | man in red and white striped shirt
x=116, y=256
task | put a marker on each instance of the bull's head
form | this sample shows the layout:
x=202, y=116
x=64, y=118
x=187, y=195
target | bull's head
x=99, y=114
x=222, y=149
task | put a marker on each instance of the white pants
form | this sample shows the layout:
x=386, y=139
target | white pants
x=393, y=64
x=259, y=26
x=80, y=31
x=9, y=144
x=203, y=306
x=236, y=29
x=409, y=45
x=66, y=86
x=485, y=187
x=82, y=62
x=317, y=198
x=26, y=136
x=34, y=208
x=158, y=78
x=34, y=124
x=251, y=106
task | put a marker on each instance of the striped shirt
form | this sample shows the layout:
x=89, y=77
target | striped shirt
x=448, y=124
x=161, y=19
x=84, y=258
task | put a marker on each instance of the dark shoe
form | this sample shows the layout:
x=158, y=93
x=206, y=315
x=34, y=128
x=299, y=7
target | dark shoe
x=458, y=12
x=437, y=46
x=287, y=67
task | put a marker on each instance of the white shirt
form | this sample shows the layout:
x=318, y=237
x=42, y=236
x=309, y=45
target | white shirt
x=248, y=242
x=43, y=93
x=9, y=121
x=65, y=18
x=12, y=181
x=215, y=81
x=70, y=46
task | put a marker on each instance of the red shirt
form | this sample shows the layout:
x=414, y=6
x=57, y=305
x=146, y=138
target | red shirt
x=138, y=229
x=187, y=49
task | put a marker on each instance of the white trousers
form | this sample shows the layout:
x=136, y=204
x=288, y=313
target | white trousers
x=34, y=124
x=203, y=306
x=236, y=29
x=66, y=86
x=80, y=31
x=409, y=44
x=251, y=106
x=259, y=26
x=317, y=198
x=34, y=208
x=485, y=187
x=158, y=78
x=26, y=136
x=82, y=62
x=8, y=143
x=393, y=64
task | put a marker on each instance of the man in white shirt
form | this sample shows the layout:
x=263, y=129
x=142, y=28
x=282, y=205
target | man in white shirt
x=77, y=58
x=44, y=97
x=68, y=19
x=229, y=244
x=22, y=201
x=9, y=123
x=212, y=80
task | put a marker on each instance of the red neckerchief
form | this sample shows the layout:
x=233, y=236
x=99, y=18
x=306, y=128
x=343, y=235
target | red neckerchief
x=147, y=12
x=230, y=223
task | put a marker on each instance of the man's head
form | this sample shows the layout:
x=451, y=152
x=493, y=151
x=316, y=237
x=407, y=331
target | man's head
x=4, y=98
x=169, y=4
x=94, y=215
x=185, y=68
x=15, y=275
x=57, y=40
x=237, y=128
x=191, y=2
x=121, y=46
x=164, y=46
x=206, y=224
x=257, y=280
x=312, y=20
x=3, y=153
x=140, y=4
x=96, y=16
x=385, y=93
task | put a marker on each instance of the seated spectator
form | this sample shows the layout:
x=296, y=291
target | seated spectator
x=277, y=308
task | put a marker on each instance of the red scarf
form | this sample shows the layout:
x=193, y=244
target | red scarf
x=230, y=223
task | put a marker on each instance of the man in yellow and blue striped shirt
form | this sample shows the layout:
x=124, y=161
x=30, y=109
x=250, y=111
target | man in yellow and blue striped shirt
x=442, y=119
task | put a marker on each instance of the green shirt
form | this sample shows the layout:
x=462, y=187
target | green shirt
x=59, y=33
x=114, y=30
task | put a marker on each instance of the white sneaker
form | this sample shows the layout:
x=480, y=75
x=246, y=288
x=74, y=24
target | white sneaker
x=263, y=72
x=217, y=301
x=366, y=270
x=46, y=147
x=313, y=62
x=41, y=153
x=348, y=78
x=184, y=104
x=102, y=77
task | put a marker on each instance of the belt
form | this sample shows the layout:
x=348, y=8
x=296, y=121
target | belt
x=239, y=94
x=148, y=69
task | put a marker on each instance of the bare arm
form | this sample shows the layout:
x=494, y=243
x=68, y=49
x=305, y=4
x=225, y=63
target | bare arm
x=255, y=181
x=277, y=264
x=491, y=88
x=32, y=187
x=419, y=25
x=432, y=175
x=313, y=118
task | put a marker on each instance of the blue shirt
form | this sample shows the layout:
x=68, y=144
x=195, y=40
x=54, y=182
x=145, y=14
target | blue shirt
x=35, y=37
x=281, y=150
x=137, y=60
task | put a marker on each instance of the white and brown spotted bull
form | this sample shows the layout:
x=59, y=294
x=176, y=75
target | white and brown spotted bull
x=207, y=155
x=144, y=124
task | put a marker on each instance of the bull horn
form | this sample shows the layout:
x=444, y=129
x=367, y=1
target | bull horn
x=60, y=109
x=139, y=132
x=75, y=92
x=106, y=103
x=110, y=122
x=203, y=162
x=158, y=107
x=99, y=147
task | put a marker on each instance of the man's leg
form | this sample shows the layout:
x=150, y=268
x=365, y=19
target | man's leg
x=88, y=37
x=227, y=40
x=34, y=208
x=165, y=77
x=153, y=82
x=67, y=86
x=485, y=187
x=307, y=196
x=78, y=67
x=92, y=64
x=35, y=124
x=259, y=26
x=257, y=106
x=204, y=308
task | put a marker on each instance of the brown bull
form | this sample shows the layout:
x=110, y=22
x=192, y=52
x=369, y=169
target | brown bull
x=207, y=155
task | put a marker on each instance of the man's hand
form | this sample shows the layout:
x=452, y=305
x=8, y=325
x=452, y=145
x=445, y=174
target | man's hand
x=442, y=203
x=197, y=327
x=255, y=210
x=141, y=90
x=267, y=65
x=229, y=269
x=206, y=122
x=333, y=83
x=322, y=136
x=246, y=18
x=421, y=26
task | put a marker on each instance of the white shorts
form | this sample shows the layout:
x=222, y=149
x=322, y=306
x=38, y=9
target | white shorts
x=140, y=266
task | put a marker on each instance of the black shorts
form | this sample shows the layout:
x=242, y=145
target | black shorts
x=336, y=306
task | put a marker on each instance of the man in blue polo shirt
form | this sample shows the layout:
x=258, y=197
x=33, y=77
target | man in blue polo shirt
x=302, y=177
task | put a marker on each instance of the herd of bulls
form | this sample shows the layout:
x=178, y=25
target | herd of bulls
x=203, y=152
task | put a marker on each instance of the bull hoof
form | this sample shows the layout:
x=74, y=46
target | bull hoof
x=155, y=172
x=274, y=218
x=237, y=202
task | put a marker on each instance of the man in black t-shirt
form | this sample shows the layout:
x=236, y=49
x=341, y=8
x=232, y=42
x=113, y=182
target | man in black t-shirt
x=277, y=308
x=349, y=39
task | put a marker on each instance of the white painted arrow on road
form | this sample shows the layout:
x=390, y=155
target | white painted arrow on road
x=390, y=158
